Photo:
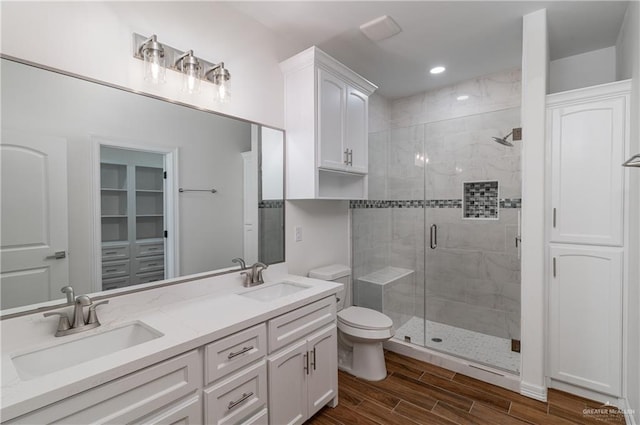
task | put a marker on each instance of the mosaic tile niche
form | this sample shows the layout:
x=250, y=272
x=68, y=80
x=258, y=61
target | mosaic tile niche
x=481, y=200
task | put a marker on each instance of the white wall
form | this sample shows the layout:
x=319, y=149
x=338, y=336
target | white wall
x=94, y=39
x=535, y=60
x=325, y=234
x=583, y=70
x=209, y=156
x=628, y=66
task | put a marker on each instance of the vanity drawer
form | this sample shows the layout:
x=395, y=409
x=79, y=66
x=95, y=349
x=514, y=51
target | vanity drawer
x=238, y=398
x=115, y=269
x=147, y=249
x=150, y=277
x=150, y=264
x=115, y=252
x=115, y=283
x=128, y=399
x=234, y=352
x=290, y=327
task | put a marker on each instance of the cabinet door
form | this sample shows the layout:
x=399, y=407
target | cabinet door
x=331, y=113
x=587, y=148
x=323, y=369
x=356, y=132
x=585, y=326
x=288, y=385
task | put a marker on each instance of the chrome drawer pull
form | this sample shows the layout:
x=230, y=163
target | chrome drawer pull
x=237, y=353
x=245, y=396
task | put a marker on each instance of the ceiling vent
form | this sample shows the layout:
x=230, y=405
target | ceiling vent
x=380, y=28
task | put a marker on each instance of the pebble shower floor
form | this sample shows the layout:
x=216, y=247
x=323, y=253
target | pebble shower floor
x=486, y=349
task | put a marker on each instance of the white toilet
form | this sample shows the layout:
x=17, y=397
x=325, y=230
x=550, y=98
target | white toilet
x=361, y=331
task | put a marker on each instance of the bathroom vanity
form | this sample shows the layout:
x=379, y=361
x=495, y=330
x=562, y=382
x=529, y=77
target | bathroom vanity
x=207, y=351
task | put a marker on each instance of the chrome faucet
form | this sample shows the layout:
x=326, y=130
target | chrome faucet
x=254, y=276
x=243, y=265
x=80, y=323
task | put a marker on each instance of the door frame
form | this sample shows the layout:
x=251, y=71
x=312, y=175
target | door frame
x=172, y=254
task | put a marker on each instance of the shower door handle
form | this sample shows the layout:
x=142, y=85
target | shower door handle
x=433, y=237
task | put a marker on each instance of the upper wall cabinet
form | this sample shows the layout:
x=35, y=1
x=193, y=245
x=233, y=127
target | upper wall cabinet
x=588, y=130
x=326, y=118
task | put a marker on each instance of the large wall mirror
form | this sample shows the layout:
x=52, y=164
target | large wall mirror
x=105, y=189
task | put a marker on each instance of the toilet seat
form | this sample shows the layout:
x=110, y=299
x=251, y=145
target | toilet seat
x=364, y=318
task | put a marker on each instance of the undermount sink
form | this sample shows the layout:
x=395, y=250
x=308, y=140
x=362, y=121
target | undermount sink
x=66, y=354
x=274, y=291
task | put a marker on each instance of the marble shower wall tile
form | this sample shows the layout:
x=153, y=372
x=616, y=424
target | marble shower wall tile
x=379, y=113
x=405, y=169
x=378, y=159
x=486, y=93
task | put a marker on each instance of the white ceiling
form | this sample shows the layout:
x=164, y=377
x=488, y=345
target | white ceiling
x=469, y=38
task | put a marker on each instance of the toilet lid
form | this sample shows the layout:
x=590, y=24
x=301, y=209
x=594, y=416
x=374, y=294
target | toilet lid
x=364, y=318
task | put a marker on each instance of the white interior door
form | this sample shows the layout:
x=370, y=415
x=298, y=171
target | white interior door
x=34, y=218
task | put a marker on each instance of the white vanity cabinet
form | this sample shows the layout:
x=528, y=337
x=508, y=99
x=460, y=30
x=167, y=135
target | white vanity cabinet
x=587, y=141
x=160, y=394
x=326, y=118
x=280, y=371
x=303, y=376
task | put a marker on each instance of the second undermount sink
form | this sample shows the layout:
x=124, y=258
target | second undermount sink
x=66, y=354
x=273, y=291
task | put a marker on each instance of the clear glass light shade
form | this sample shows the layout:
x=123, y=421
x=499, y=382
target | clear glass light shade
x=191, y=78
x=222, y=91
x=154, y=66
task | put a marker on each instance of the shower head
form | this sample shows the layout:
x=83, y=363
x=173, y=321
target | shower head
x=503, y=140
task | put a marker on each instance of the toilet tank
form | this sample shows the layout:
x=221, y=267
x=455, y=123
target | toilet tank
x=336, y=273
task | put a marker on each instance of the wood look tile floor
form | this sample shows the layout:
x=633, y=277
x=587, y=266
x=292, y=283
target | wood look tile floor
x=415, y=392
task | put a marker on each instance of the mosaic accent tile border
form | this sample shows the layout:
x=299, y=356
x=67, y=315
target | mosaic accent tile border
x=511, y=203
x=271, y=204
x=481, y=199
x=429, y=203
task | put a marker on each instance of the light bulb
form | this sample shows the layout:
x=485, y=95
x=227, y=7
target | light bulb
x=223, y=92
x=154, y=70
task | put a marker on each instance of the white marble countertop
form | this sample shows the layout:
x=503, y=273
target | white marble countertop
x=188, y=315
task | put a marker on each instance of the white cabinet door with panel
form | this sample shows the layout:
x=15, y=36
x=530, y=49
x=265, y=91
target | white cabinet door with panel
x=288, y=385
x=585, y=317
x=357, y=131
x=588, y=131
x=323, y=369
x=331, y=121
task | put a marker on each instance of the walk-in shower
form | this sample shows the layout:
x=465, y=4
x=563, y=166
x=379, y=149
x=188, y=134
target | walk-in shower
x=435, y=246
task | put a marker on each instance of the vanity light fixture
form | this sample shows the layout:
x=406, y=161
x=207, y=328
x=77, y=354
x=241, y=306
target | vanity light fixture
x=152, y=53
x=220, y=77
x=191, y=67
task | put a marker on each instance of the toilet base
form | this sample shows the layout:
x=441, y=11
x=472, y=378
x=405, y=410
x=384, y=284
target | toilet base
x=367, y=362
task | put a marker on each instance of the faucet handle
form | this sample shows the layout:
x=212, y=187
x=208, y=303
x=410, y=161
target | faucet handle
x=260, y=278
x=68, y=291
x=243, y=265
x=247, y=278
x=93, y=316
x=63, y=323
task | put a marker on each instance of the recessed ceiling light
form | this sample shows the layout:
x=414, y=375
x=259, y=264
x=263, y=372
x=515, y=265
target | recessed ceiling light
x=437, y=70
x=462, y=97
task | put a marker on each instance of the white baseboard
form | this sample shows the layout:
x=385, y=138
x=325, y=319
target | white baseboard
x=533, y=391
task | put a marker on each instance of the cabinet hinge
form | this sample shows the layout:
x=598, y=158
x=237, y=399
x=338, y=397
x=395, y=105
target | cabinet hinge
x=164, y=175
x=166, y=234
